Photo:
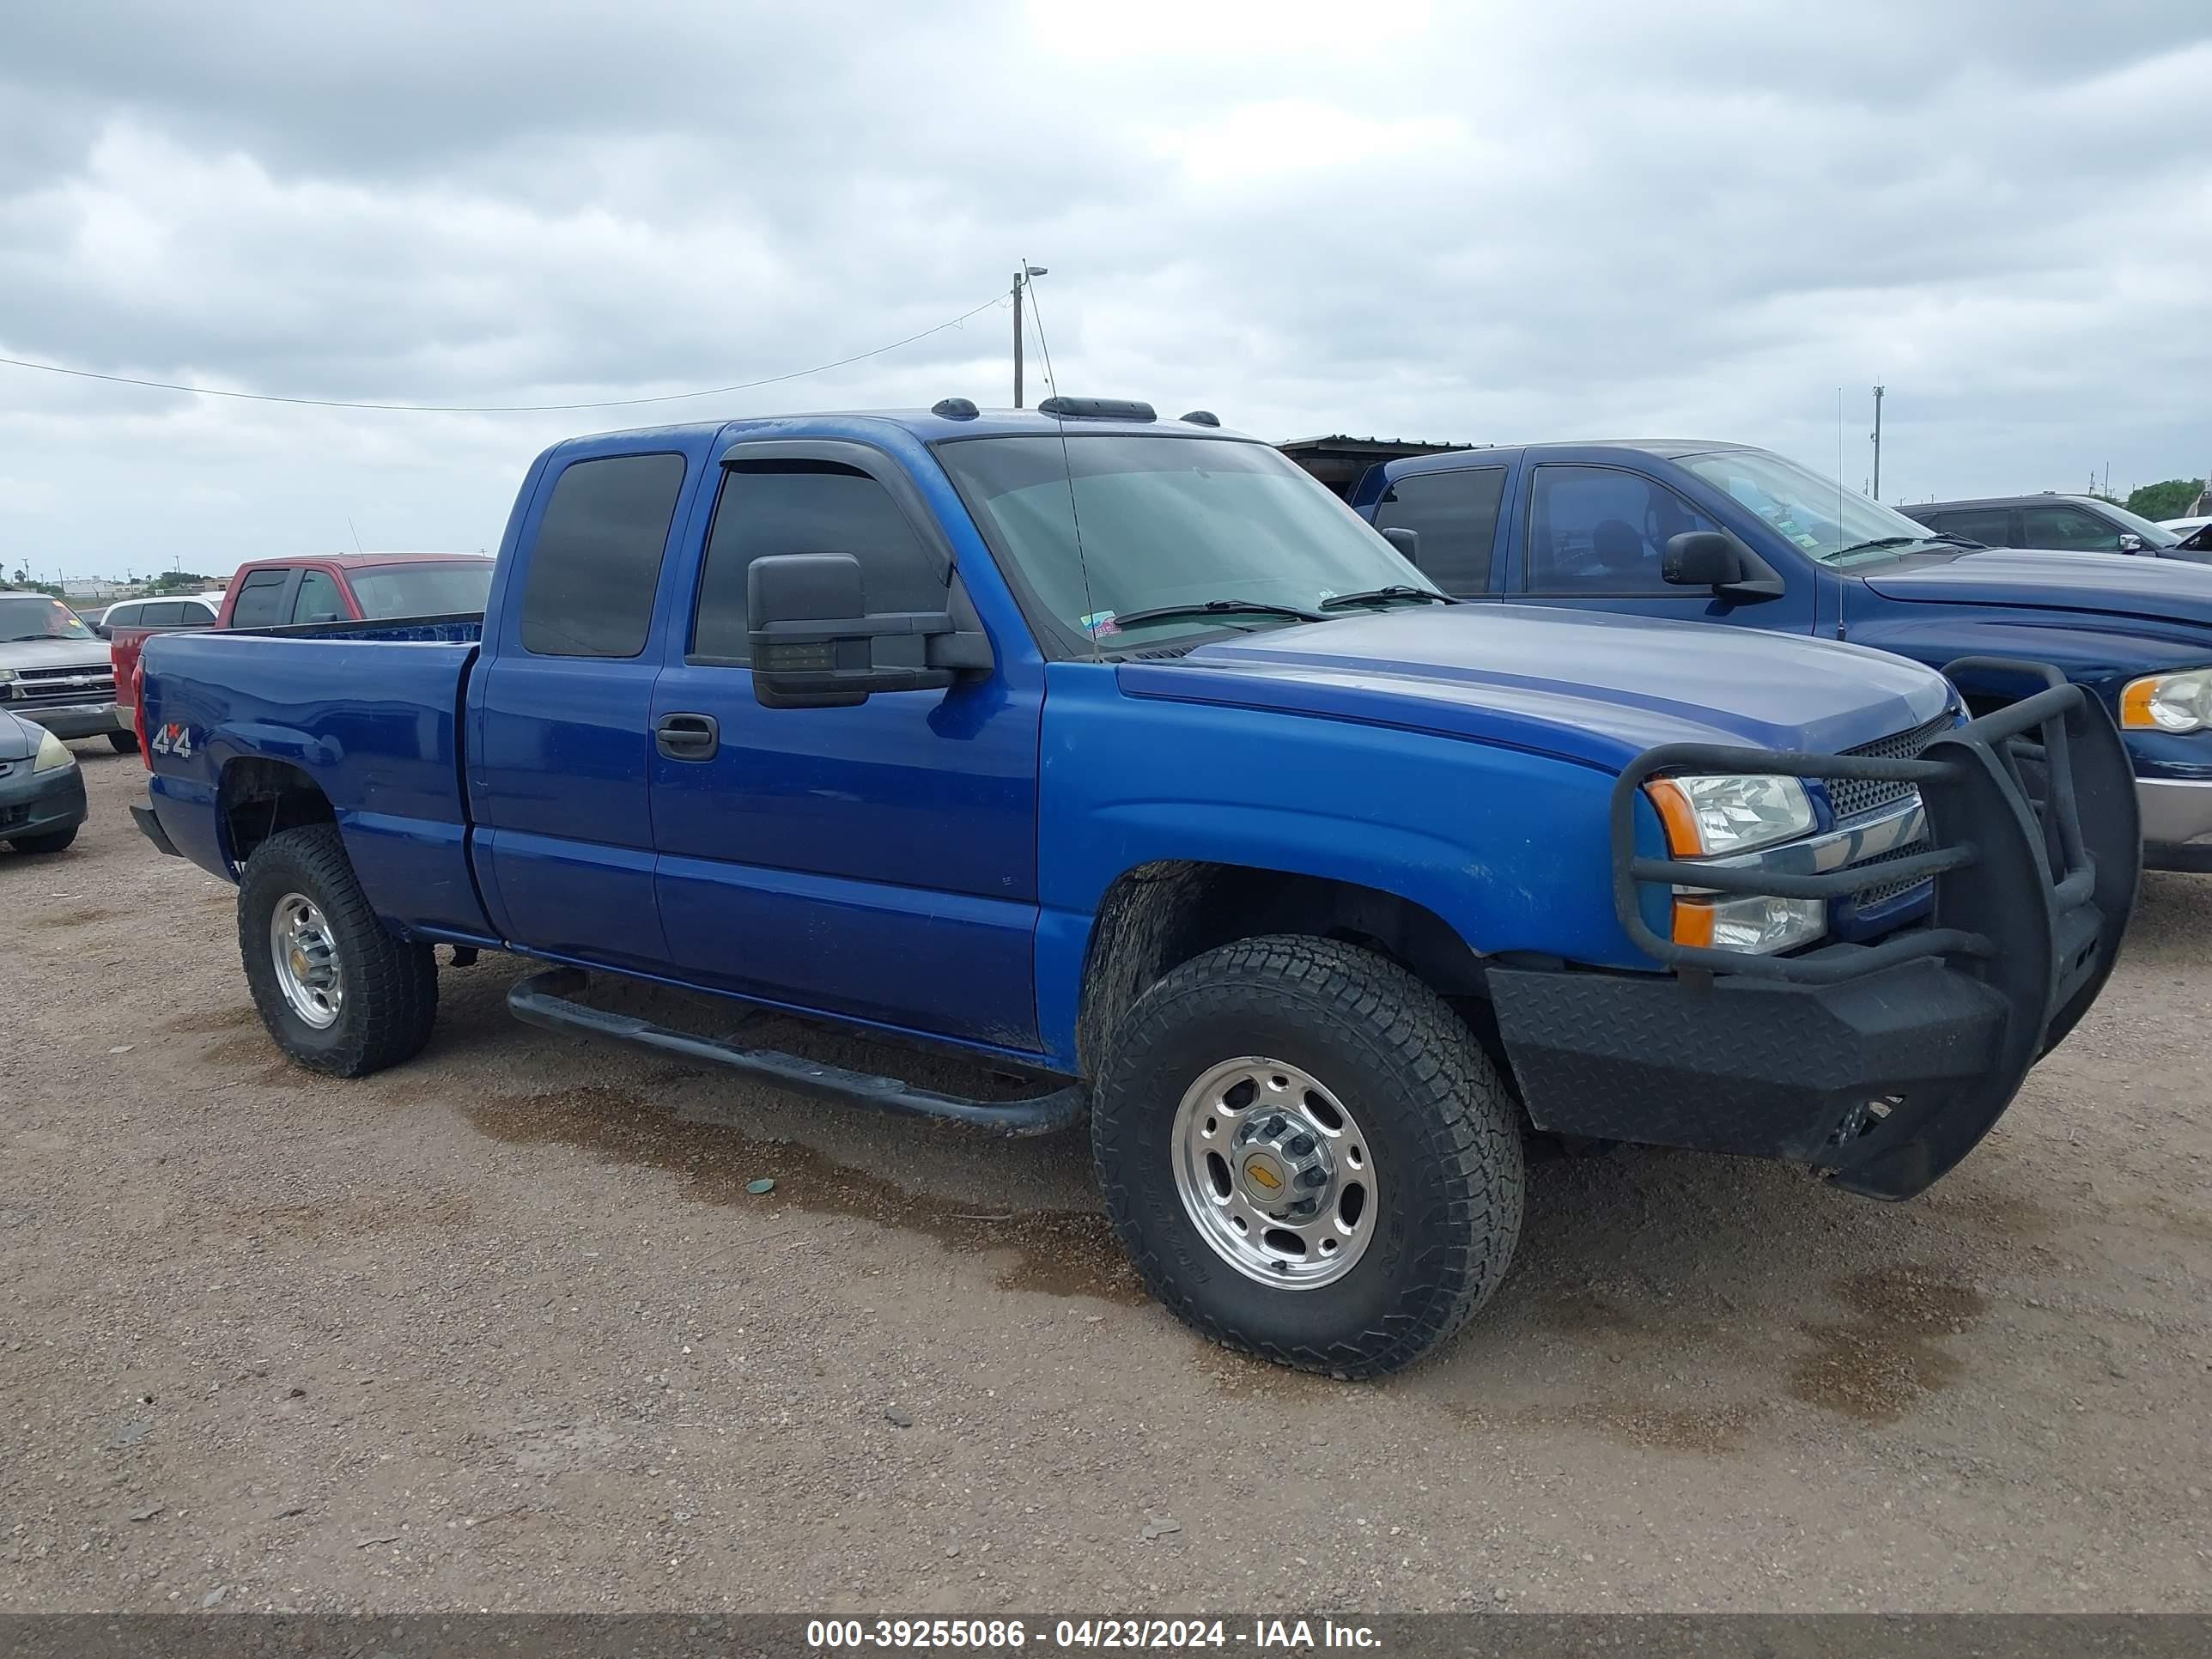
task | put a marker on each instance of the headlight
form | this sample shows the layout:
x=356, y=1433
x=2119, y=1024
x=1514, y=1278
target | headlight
x=6, y=675
x=53, y=754
x=1704, y=817
x=1757, y=925
x=2168, y=702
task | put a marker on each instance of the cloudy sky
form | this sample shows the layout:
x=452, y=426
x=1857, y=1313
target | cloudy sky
x=1477, y=222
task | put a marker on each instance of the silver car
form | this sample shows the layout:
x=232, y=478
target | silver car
x=55, y=671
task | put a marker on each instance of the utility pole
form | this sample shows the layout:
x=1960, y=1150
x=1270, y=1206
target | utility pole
x=1877, y=443
x=1021, y=281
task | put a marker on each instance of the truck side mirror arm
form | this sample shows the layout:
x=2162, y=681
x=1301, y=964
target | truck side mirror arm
x=815, y=644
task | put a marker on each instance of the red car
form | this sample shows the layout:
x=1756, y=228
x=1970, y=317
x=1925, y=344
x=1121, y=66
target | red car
x=340, y=587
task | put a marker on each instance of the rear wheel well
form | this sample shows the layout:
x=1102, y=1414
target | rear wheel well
x=257, y=799
x=1159, y=915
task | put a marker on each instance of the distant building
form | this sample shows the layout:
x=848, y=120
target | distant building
x=93, y=588
x=1339, y=461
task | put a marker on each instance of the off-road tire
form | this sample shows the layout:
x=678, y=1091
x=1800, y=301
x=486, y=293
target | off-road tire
x=123, y=743
x=391, y=984
x=1444, y=1132
x=52, y=842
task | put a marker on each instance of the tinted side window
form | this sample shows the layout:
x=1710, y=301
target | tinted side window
x=257, y=601
x=1455, y=515
x=317, y=599
x=167, y=614
x=195, y=613
x=1991, y=525
x=806, y=507
x=1601, y=530
x=596, y=562
x=2067, y=527
x=122, y=615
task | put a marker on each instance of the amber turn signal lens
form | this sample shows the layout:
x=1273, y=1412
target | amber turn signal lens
x=1693, y=922
x=2135, y=706
x=1679, y=820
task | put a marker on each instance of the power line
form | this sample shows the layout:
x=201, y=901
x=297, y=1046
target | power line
x=501, y=409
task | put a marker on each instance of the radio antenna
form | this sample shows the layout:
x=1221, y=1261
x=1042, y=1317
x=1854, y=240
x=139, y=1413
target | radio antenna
x=1091, y=624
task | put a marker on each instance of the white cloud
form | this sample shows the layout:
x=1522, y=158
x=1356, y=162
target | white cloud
x=1450, y=221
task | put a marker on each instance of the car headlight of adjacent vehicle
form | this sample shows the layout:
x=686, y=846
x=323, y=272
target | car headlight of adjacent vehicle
x=1714, y=816
x=53, y=754
x=2180, y=701
x=6, y=675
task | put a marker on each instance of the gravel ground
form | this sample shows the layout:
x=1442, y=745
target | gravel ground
x=503, y=1329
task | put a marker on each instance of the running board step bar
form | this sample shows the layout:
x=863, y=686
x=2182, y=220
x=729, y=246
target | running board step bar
x=547, y=1000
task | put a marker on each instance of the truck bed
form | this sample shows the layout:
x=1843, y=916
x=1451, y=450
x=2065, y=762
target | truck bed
x=369, y=713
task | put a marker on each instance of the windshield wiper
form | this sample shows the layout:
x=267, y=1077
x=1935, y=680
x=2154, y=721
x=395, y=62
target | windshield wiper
x=1216, y=608
x=1955, y=541
x=1395, y=591
x=1879, y=541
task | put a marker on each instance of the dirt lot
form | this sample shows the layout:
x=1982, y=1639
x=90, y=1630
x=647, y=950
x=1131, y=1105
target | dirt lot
x=504, y=1328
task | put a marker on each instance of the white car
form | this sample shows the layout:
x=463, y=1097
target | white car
x=169, y=610
x=2196, y=533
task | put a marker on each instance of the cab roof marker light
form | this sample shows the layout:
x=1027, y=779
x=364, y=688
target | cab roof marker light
x=1096, y=408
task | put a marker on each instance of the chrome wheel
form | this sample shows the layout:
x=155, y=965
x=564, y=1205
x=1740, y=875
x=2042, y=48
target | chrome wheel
x=1274, y=1173
x=307, y=958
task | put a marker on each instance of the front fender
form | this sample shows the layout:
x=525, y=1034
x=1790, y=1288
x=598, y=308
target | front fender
x=1508, y=848
x=2099, y=658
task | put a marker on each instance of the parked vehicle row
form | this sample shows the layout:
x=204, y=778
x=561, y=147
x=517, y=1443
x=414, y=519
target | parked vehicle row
x=348, y=587
x=1736, y=537
x=1113, y=751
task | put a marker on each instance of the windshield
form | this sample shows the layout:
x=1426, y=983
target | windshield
x=1167, y=521
x=35, y=617
x=1817, y=514
x=387, y=592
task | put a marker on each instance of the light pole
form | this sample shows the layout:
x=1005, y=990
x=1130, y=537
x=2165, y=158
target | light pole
x=1021, y=281
x=1877, y=443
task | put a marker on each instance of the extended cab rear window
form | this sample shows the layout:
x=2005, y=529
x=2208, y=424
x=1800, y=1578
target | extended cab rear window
x=590, y=587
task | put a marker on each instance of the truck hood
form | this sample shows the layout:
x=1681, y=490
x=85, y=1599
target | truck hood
x=54, y=653
x=1591, y=686
x=2104, y=584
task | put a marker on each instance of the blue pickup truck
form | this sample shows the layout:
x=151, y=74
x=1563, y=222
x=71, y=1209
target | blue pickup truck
x=1725, y=534
x=1116, y=753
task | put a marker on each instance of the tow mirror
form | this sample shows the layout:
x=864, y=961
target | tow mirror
x=1715, y=559
x=816, y=645
x=1407, y=542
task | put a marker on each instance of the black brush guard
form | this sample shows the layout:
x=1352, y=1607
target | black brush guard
x=1884, y=1063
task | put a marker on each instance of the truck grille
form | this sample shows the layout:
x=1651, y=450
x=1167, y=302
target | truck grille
x=1873, y=898
x=61, y=687
x=1854, y=798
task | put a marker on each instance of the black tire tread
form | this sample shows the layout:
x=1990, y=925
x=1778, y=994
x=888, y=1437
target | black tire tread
x=391, y=983
x=1470, y=1133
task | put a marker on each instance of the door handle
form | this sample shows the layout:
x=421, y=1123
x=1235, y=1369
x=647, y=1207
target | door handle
x=688, y=737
